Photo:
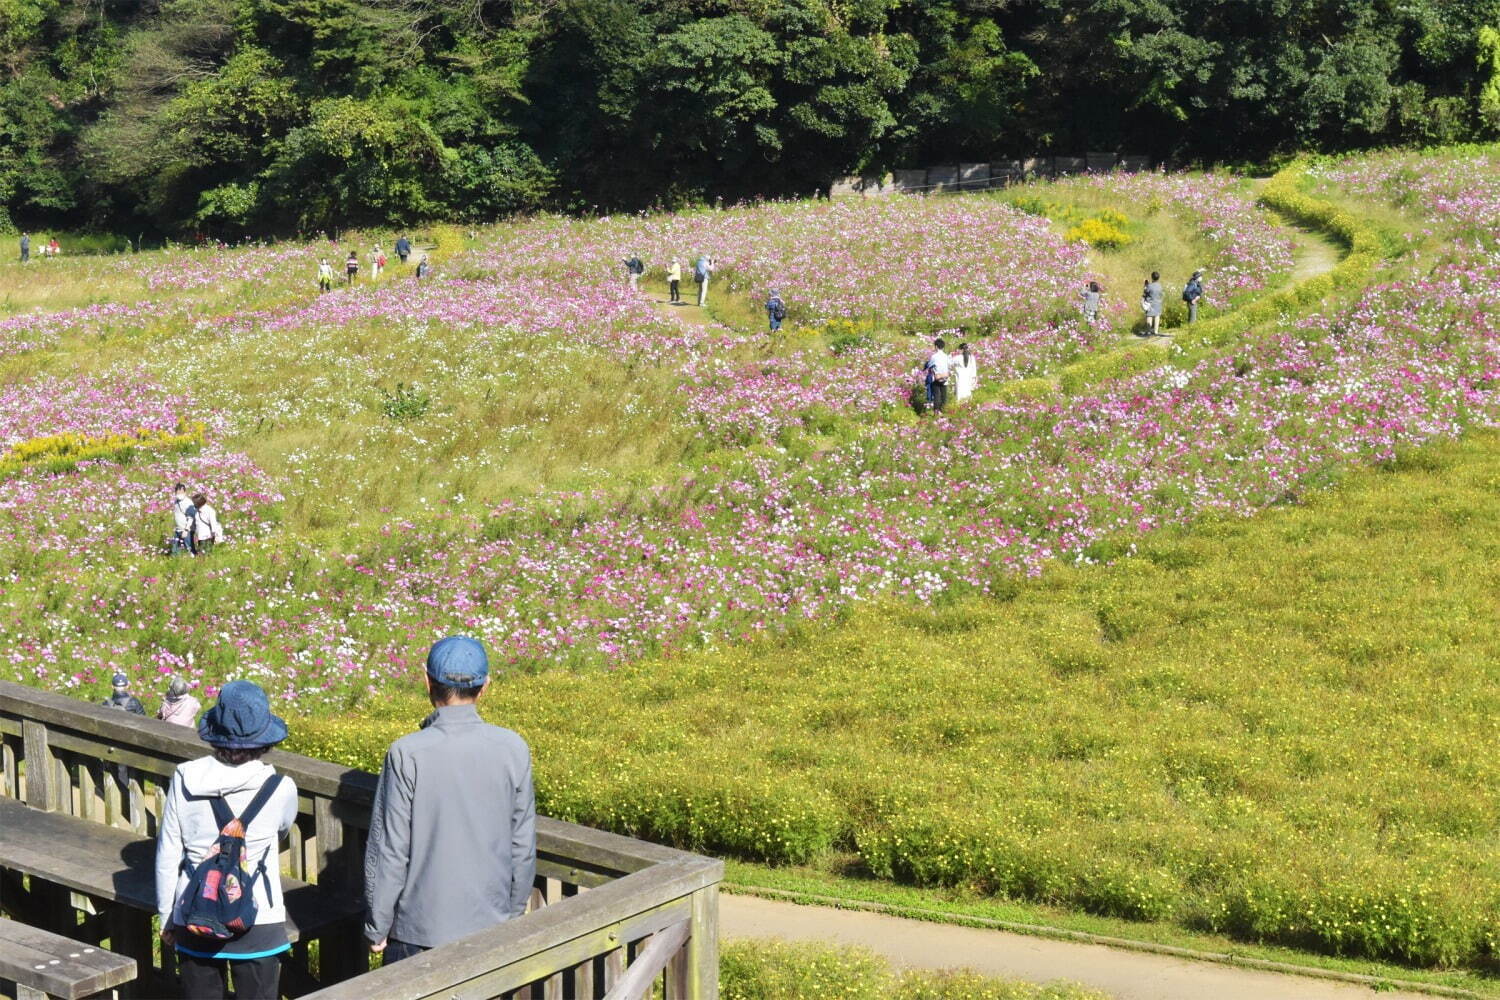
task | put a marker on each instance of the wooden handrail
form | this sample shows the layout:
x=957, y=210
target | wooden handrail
x=598, y=895
x=651, y=963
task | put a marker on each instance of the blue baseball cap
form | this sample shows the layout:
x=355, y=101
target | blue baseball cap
x=119, y=681
x=458, y=661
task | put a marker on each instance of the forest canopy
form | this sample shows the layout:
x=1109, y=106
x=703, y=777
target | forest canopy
x=233, y=116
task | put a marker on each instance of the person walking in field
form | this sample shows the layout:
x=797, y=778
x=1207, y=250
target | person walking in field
x=422, y=268
x=182, y=521
x=207, y=531
x=634, y=268
x=325, y=276
x=775, y=310
x=1153, y=299
x=965, y=373
x=351, y=268
x=674, y=282
x=1191, y=293
x=121, y=698
x=230, y=797
x=940, y=365
x=452, y=846
x=703, y=269
x=25, y=247
x=403, y=248
x=179, y=707
x=377, y=263
x=1092, y=296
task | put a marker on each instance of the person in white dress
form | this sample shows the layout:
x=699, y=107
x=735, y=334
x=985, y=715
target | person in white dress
x=965, y=373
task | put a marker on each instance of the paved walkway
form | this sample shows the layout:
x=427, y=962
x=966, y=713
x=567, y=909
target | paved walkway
x=1126, y=975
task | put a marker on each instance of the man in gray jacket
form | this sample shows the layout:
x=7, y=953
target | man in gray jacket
x=452, y=845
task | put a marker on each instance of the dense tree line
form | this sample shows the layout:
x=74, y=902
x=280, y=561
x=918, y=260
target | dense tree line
x=233, y=115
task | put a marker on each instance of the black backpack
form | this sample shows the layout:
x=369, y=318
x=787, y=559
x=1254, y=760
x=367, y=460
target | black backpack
x=778, y=309
x=220, y=901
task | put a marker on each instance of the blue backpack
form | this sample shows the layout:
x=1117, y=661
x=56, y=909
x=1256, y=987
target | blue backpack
x=220, y=901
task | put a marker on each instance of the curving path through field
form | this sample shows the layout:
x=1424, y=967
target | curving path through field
x=1123, y=974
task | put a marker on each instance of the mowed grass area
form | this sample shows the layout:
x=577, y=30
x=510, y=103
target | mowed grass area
x=1282, y=729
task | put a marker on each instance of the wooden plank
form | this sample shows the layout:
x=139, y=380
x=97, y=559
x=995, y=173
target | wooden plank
x=45, y=965
x=136, y=805
x=9, y=772
x=62, y=784
x=113, y=814
x=642, y=973
x=614, y=962
x=112, y=864
x=559, y=936
x=701, y=964
x=38, y=766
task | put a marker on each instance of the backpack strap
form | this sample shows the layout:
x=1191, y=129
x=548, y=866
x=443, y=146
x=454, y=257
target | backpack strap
x=222, y=815
x=258, y=803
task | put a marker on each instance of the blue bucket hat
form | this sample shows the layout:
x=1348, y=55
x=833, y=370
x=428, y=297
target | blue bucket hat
x=241, y=719
x=119, y=681
x=458, y=661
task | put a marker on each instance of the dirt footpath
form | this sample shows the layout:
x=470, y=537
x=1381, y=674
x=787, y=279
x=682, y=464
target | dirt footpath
x=1126, y=975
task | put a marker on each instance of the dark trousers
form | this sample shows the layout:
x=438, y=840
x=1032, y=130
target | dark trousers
x=395, y=950
x=254, y=979
x=939, y=395
x=676, y=294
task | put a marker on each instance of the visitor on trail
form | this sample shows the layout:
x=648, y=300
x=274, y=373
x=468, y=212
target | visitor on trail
x=452, y=847
x=377, y=263
x=422, y=268
x=1191, y=293
x=207, y=531
x=965, y=373
x=674, y=282
x=182, y=522
x=633, y=271
x=403, y=248
x=351, y=268
x=179, y=707
x=1153, y=298
x=223, y=935
x=121, y=698
x=775, y=310
x=325, y=276
x=703, y=269
x=54, y=248
x=25, y=247
x=1092, y=294
x=940, y=365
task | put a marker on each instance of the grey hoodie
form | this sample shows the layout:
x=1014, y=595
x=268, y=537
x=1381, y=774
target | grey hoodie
x=188, y=830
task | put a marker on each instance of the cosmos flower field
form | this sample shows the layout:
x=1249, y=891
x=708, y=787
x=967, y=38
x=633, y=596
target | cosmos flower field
x=593, y=482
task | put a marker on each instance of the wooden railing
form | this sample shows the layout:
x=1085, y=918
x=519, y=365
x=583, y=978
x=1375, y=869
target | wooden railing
x=609, y=915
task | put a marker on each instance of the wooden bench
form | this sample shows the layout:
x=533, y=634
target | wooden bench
x=116, y=867
x=42, y=964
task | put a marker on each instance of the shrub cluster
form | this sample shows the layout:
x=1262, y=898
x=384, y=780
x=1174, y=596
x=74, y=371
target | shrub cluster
x=1099, y=234
x=58, y=453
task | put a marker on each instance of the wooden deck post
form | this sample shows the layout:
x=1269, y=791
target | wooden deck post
x=39, y=766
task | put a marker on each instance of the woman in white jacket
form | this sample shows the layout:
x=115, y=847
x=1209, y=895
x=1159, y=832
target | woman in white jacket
x=207, y=531
x=240, y=728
